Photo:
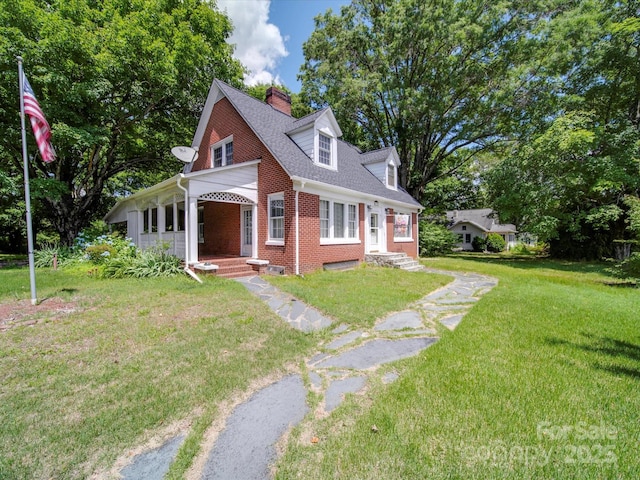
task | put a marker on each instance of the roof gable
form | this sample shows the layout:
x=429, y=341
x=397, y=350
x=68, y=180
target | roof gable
x=273, y=127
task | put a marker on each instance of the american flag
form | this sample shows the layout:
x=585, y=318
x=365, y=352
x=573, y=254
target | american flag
x=40, y=126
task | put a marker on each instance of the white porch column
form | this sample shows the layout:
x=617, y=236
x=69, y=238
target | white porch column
x=161, y=220
x=254, y=230
x=192, y=230
x=140, y=231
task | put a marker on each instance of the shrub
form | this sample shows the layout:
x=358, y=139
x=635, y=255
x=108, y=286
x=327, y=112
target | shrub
x=43, y=257
x=435, y=239
x=629, y=268
x=479, y=244
x=495, y=243
x=153, y=262
x=98, y=254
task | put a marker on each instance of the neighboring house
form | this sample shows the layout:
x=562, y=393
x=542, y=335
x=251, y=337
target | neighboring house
x=275, y=189
x=468, y=224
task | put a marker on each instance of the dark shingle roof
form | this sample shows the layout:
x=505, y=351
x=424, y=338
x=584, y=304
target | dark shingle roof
x=271, y=127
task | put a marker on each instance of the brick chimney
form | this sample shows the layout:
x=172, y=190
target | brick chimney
x=279, y=100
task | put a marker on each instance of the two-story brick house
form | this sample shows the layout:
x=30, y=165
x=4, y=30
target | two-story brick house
x=274, y=189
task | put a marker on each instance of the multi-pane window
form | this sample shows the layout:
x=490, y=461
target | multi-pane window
x=276, y=217
x=391, y=175
x=324, y=149
x=338, y=220
x=222, y=154
x=229, y=153
x=324, y=219
x=353, y=221
x=217, y=157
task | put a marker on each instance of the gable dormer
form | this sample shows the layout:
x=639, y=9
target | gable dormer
x=384, y=165
x=317, y=136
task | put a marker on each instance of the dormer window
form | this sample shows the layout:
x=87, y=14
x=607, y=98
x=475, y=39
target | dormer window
x=324, y=149
x=391, y=175
x=222, y=153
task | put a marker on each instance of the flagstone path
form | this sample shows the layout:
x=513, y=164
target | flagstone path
x=245, y=449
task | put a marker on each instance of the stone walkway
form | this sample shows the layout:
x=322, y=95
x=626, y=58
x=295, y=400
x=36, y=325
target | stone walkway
x=246, y=448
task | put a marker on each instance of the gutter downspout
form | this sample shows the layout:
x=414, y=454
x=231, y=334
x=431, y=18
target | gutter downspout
x=297, y=236
x=187, y=270
x=298, y=229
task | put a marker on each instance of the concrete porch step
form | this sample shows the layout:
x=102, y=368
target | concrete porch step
x=394, y=260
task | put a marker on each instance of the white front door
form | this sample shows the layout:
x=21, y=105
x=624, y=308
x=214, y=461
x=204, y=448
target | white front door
x=374, y=232
x=246, y=221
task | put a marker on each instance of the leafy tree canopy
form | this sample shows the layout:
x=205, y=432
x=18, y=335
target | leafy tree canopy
x=120, y=83
x=575, y=182
x=441, y=80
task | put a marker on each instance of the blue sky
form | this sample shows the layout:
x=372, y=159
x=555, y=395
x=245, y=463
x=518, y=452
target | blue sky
x=269, y=34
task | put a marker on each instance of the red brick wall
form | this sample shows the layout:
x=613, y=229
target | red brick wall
x=407, y=247
x=222, y=221
x=312, y=254
x=221, y=229
x=225, y=121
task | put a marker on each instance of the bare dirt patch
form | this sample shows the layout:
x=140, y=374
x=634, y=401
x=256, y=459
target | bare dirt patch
x=22, y=312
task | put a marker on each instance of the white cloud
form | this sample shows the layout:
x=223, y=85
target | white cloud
x=259, y=44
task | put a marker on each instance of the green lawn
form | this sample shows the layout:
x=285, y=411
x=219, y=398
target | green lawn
x=540, y=380
x=358, y=297
x=79, y=389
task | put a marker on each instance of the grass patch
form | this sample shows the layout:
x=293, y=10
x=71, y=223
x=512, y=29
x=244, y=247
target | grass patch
x=540, y=380
x=360, y=296
x=81, y=388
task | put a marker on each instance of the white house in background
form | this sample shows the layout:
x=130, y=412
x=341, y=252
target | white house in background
x=468, y=224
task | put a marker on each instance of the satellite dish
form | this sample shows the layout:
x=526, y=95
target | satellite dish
x=185, y=154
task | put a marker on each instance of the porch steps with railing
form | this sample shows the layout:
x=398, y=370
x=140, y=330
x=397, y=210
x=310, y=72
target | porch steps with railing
x=393, y=260
x=228, y=267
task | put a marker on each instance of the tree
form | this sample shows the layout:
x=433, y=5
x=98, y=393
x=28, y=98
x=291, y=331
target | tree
x=574, y=182
x=440, y=80
x=120, y=83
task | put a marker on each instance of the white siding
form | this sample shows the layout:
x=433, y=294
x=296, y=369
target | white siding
x=471, y=230
x=132, y=225
x=379, y=169
x=242, y=181
x=304, y=140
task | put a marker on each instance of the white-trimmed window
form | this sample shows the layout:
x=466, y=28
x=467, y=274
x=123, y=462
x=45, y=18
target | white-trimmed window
x=338, y=222
x=222, y=153
x=324, y=149
x=392, y=176
x=402, y=226
x=325, y=218
x=276, y=219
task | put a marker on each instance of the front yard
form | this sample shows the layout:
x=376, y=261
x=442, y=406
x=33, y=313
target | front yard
x=540, y=380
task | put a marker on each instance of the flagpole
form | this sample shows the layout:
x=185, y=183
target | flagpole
x=27, y=192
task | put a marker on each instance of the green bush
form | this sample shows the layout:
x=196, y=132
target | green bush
x=629, y=268
x=479, y=244
x=435, y=239
x=43, y=257
x=495, y=243
x=153, y=262
x=98, y=254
